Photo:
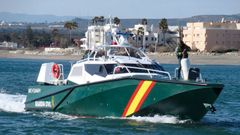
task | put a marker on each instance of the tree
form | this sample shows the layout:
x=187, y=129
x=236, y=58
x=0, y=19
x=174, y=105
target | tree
x=70, y=26
x=95, y=20
x=28, y=40
x=55, y=37
x=116, y=20
x=101, y=19
x=180, y=32
x=163, y=26
x=63, y=42
x=15, y=37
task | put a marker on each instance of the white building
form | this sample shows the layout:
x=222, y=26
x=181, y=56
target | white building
x=153, y=35
x=10, y=45
x=99, y=35
x=149, y=37
x=109, y=33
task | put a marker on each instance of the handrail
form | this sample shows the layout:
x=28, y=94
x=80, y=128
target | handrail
x=61, y=76
x=89, y=59
x=143, y=69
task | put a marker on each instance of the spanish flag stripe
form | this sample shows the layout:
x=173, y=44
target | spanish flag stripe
x=132, y=97
x=145, y=96
x=138, y=97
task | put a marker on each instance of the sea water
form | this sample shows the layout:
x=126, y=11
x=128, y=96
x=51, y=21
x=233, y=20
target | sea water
x=17, y=74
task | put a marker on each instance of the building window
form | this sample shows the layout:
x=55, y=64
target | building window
x=153, y=39
x=146, y=38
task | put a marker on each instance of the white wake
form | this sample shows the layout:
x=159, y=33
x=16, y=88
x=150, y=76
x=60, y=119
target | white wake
x=168, y=119
x=12, y=103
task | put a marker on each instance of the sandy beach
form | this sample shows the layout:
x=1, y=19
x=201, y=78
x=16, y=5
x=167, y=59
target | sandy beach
x=200, y=58
x=163, y=58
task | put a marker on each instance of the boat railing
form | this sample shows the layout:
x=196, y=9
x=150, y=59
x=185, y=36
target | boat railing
x=61, y=75
x=179, y=76
x=129, y=69
x=90, y=59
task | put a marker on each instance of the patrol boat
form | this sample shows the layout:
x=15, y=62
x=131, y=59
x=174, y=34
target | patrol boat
x=121, y=81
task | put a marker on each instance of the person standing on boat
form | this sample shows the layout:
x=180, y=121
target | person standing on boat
x=181, y=53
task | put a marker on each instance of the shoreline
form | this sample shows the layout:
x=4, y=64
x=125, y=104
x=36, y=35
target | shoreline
x=162, y=58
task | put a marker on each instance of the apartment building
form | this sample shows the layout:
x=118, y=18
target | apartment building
x=212, y=36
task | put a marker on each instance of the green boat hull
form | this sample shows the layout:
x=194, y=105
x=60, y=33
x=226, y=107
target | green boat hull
x=126, y=97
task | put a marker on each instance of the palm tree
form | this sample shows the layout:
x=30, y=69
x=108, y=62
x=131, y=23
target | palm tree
x=163, y=26
x=95, y=20
x=70, y=26
x=116, y=20
x=101, y=19
x=180, y=32
x=98, y=19
x=144, y=21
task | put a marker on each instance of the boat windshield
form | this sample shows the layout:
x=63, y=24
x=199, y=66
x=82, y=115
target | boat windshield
x=115, y=50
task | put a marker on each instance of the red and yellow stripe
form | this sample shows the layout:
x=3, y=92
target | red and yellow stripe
x=138, y=97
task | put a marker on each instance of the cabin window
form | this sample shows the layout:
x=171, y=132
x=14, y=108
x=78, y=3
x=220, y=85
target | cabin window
x=149, y=66
x=97, y=69
x=109, y=68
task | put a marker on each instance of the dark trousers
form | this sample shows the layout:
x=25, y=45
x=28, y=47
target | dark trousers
x=179, y=68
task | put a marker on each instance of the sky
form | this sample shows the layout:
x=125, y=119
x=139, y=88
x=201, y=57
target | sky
x=122, y=8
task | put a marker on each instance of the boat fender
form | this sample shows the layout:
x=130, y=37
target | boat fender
x=55, y=71
x=185, y=64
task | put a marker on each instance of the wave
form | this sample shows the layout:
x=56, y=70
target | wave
x=12, y=103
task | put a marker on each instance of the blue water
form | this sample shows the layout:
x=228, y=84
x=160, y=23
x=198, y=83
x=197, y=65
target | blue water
x=17, y=74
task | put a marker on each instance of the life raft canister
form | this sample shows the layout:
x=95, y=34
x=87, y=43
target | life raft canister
x=55, y=71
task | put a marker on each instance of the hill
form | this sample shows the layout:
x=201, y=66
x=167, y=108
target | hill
x=127, y=23
x=15, y=17
x=84, y=21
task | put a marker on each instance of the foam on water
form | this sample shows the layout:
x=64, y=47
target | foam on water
x=168, y=119
x=57, y=116
x=160, y=119
x=12, y=103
